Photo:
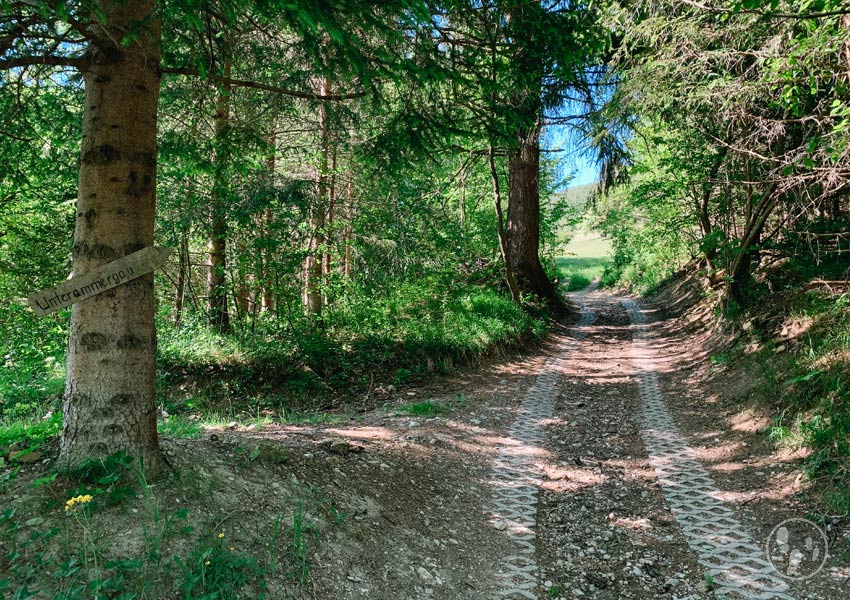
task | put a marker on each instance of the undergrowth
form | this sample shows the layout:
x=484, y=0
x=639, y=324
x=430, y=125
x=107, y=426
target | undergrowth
x=61, y=543
x=814, y=395
x=286, y=367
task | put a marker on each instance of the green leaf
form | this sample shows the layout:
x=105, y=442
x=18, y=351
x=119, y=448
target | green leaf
x=801, y=378
x=41, y=481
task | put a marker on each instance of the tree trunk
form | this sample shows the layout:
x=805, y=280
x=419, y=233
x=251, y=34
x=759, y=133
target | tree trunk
x=523, y=230
x=500, y=227
x=845, y=21
x=182, y=274
x=219, y=314
x=243, y=279
x=349, y=217
x=267, y=219
x=329, y=221
x=313, y=264
x=741, y=266
x=110, y=394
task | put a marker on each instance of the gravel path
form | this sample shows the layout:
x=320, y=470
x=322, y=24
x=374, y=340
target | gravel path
x=560, y=474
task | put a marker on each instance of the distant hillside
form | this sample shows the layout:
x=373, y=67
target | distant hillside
x=577, y=196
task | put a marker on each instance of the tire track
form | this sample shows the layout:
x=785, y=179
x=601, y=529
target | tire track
x=517, y=472
x=732, y=558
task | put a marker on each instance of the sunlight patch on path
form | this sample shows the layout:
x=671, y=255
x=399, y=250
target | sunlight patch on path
x=518, y=473
x=732, y=558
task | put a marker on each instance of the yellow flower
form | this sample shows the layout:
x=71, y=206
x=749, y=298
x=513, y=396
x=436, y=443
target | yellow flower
x=206, y=563
x=221, y=535
x=72, y=502
x=232, y=548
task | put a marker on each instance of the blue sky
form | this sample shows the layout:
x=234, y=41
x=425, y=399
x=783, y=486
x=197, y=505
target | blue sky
x=584, y=171
x=566, y=148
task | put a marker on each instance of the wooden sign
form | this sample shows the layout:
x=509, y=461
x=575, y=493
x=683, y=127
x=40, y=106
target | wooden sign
x=98, y=280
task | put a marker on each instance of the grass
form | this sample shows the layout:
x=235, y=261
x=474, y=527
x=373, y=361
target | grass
x=397, y=338
x=62, y=545
x=428, y=408
x=288, y=368
x=588, y=254
x=807, y=385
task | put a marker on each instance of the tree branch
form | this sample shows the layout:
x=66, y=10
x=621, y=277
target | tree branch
x=768, y=13
x=56, y=61
x=261, y=86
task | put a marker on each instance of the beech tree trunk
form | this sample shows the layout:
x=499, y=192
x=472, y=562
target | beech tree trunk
x=110, y=394
x=523, y=227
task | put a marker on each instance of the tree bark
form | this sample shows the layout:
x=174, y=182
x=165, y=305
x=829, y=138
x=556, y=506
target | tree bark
x=267, y=219
x=327, y=259
x=110, y=394
x=845, y=22
x=219, y=314
x=523, y=227
x=313, y=262
x=741, y=266
x=243, y=279
x=182, y=274
x=349, y=218
x=500, y=227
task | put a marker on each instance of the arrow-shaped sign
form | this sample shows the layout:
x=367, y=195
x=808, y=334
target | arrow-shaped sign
x=98, y=280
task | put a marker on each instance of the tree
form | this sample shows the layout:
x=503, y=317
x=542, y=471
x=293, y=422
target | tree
x=517, y=64
x=109, y=401
x=747, y=98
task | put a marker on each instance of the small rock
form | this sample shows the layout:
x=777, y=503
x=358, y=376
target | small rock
x=25, y=456
x=341, y=447
x=424, y=575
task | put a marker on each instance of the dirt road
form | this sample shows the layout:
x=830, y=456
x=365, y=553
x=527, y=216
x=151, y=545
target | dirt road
x=593, y=467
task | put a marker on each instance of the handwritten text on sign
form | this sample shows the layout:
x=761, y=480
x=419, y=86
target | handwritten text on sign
x=98, y=280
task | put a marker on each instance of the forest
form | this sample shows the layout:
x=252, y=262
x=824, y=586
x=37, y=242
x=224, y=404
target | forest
x=309, y=299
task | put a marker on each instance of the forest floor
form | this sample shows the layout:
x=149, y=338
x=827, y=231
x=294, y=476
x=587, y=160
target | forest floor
x=417, y=477
x=525, y=477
